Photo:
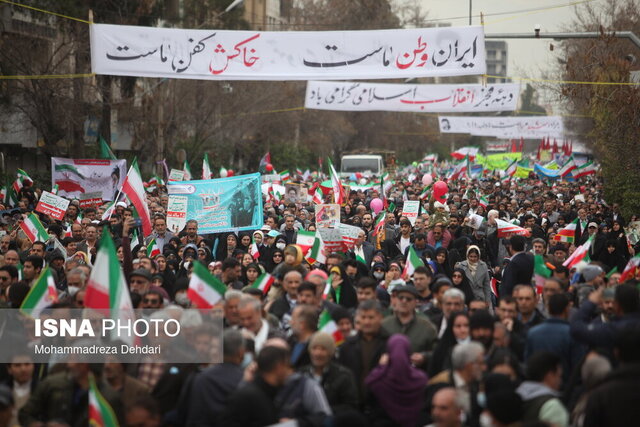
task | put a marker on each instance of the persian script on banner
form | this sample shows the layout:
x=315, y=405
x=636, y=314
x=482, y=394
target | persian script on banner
x=355, y=96
x=289, y=55
x=504, y=127
x=225, y=204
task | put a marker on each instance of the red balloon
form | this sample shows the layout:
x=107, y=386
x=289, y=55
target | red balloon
x=440, y=189
x=269, y=167
x=230, y=172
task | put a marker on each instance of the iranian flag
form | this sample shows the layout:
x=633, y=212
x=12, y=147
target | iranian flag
x=512, y=169
x=135, y=240
x=483, y=202
x=463, y=152
x=327, y=325
x=223, y=172
x=413, y=262
x=264, y=282
x=458, y=170
x=305, y=240
x=585, y=170
x=569, y=166
x=133, y=188
x=22, y=176
x=285, y=176
x=205, y=290
x=316, y=253
x=581, y=253
x=379, y=225
x=327, y=288
x=318, y=197
x=42, y=295
x=253, y=250
x=187, y=171
x=34, y=229
x=506, y=229
x=264, y=161
x=541, y=272
x=107, y=290
x=338, y=191
x=105, y=150
x=630, y=270
x=206, y=169
x=100, y=412
x=425, y=192
x=152, y=248
x=568, y=233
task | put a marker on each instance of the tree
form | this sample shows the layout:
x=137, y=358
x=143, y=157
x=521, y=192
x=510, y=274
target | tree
x=613, y=130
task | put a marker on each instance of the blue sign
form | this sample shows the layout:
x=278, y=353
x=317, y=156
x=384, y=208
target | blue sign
x=225, y=204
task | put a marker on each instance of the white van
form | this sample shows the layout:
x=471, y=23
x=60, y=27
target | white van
x=367, y=164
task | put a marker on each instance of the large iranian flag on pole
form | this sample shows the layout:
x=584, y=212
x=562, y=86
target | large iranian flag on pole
x=305, y=240
x=133, y=187
x=579, y=254
x=100, y=412
x=205, y=290
x=264, y=282
x=338, y=191
x=107, y=289
x=512, y=169
x=585, y=170
x=327, y=325
x=413, y=262
x=506, y=229
x=34, y=229
x=568, y=233
x=41, y=295
x=569, y=166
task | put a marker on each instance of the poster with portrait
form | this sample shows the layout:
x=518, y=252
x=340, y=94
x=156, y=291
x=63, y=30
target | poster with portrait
x=327, y=216
x=292, y=193
x=225, y=204
x=75, y=177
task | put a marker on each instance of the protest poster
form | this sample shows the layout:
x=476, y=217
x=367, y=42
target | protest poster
x=633, y=232
x=75, y=177
x=292, y=193
x=124, y=50
x=90, y=200
x=332, y=238
x=349, y=234
x=176, y=175
x=52, y=205
x=327, y=215
x=475, y=221
x=410, y=210
x=274, y=177
x=224, y=204
x=176, y=213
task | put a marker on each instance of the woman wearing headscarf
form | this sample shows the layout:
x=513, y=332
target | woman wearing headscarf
x=618, y=235
x=244, y=241
x=397, y=386
x=442, y=264
x=457, y=332
x=460, y=281
x=277, y=257
x=342, y=290
x=226, y=246
x=478, y=274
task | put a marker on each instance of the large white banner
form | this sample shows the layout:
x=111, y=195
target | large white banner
x=75, y=177
x=253, y=55
x=428, y=98
x=504, y=127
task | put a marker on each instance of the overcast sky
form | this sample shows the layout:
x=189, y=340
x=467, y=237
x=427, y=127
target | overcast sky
x=527, y=58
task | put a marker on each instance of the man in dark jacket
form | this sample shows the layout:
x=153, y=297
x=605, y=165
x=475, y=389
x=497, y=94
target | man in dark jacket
x=361, y=353
x=253, y=405
x=614, y=401
x=211, y=388
x=520, y=268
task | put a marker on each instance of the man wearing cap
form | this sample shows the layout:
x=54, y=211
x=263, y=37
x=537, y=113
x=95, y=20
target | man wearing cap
x=140, y=281
x=421, y=332
x=268, y=246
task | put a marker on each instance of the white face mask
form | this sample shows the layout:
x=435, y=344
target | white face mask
x=248, y=358
x=281, y=245
x=378, y=275
x=182, y=299
x=485, y=420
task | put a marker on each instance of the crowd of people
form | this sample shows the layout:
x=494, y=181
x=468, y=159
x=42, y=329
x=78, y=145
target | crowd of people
x=466, y=339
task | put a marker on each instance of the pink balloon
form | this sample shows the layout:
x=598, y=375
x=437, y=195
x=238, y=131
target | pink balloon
x=427, y=179
x=376, y=205
x=439, y=191
x=230, y=172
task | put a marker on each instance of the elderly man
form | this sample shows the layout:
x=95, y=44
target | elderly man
x=452, y=301
x=250, y=312
x=160, y=232
x=446, y=408
x=283, y=306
